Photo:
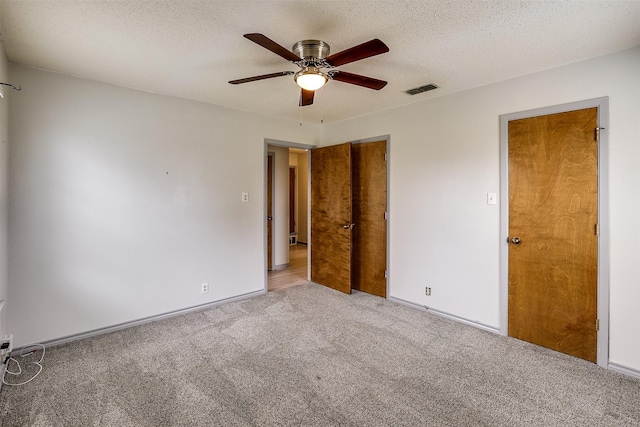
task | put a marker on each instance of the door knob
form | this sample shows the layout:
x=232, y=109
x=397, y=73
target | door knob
x=516, y=241
x=269, y=218
x=348, y=226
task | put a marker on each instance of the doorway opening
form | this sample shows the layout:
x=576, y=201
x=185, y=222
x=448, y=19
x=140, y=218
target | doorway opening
x=554, y=288
x=286, y=207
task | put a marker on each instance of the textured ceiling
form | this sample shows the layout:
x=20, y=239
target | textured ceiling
x=190, y=49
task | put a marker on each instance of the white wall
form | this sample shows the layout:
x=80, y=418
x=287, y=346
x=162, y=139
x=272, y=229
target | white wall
x=300, y=161
x=280, y=206
x=124, y=202
x=4, y=175
x=293, y=163
x=100, y=234
x=303, y=190
x=293, y=159
x=444, y=158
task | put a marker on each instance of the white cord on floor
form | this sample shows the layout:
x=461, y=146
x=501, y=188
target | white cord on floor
x=24, y=354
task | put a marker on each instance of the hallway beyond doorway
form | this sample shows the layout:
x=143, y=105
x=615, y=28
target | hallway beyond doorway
x=294, y=274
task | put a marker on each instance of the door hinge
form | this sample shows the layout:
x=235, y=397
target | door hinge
x=385, y=157
x=385, y=274
x=597, y=324
x=386, y=216
x=597, y=229
x=597, y=133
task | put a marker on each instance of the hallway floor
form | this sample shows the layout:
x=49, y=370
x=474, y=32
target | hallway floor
x=294, y=274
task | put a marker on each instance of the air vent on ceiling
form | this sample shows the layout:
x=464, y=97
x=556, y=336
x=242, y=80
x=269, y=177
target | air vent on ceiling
x=421, y=89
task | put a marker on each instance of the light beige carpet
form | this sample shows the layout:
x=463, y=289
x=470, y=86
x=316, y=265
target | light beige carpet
x=310, y=356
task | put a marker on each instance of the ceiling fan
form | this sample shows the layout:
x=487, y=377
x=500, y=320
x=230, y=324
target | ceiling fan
x=313, y=55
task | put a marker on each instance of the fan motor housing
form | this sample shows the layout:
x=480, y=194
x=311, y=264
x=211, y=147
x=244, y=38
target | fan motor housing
x=311, y=49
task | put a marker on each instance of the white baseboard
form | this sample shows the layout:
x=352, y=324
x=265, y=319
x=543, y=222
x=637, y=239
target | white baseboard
x=446, y=315
x=125, y=325
x=616, y=367
x=624, y=370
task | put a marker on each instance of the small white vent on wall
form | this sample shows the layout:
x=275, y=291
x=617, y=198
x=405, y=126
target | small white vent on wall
x=421, y=89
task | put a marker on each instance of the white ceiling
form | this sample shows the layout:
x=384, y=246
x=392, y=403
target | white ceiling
x=191, y=49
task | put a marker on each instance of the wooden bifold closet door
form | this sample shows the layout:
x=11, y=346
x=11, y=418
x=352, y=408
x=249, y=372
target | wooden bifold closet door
x=369, y=237
x=348, y=217
x=331, y=217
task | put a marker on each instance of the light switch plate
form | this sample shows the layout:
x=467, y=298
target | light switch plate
x=492, y=198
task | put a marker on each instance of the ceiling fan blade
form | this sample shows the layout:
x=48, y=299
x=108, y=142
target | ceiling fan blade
x=356, y=79
x=365, y=50
x=262, y=77
x=306, y=97
x=274, y=47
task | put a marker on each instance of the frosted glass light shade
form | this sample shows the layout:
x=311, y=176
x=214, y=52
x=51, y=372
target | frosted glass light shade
x=310, y=78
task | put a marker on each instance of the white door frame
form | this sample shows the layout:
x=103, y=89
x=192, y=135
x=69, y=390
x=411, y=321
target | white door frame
x=602, y=104
x=266, y=198
x=295, y=197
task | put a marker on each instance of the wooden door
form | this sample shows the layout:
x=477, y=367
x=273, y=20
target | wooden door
x=369, y=238
x=552, y=228
x=269, y=212
x=331, y=217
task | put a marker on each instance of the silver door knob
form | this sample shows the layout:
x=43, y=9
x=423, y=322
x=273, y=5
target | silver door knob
x=516, y=241
x=348, y=226
x=269, y=218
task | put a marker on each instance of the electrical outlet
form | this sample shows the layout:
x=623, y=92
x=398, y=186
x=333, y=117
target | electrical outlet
x=6, y=345
x=427, y=291
x=204, y=288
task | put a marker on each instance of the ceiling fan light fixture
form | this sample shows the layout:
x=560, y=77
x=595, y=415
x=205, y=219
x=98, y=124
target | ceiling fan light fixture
x=310, y=78
x=312, y=56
